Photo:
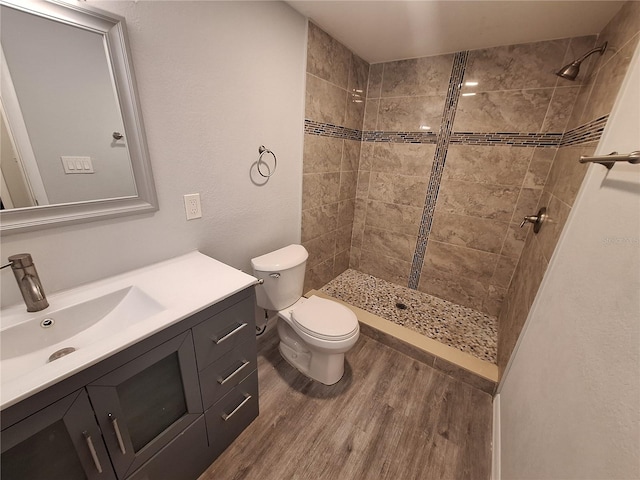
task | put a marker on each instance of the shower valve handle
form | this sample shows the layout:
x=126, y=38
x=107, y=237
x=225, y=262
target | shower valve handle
x=535, y=219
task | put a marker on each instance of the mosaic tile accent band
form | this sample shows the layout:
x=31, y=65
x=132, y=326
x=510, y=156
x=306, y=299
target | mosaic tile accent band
x=587, y=133
x=440, y=156
x=330, y=130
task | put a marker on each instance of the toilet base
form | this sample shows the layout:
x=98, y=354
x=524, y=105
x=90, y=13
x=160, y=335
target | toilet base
x=326, y=368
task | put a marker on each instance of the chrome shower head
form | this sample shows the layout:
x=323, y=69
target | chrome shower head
x=571, y=70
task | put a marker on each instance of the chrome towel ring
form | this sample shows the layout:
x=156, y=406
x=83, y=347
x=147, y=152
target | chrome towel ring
x=262, y=150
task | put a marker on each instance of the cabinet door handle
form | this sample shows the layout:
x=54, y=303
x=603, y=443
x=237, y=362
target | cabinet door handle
x=92, y=449
x=227, y=416
x=217, y=340
x=222, y=381
x=114, y=423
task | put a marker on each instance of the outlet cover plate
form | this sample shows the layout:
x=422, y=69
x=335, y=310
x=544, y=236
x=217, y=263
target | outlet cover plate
x=192, y=206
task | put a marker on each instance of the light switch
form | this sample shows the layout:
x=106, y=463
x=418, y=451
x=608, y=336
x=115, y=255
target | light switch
x=77, y=165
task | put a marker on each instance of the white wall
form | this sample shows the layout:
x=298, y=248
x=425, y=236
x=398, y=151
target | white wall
x=570, y=402
x=216, y=80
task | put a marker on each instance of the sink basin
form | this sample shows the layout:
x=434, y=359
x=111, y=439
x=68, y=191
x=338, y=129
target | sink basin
x=37, y=339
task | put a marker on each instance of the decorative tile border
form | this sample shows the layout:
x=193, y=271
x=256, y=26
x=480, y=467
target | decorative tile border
x=512, y=139
x=329, y=130
x=442, y=146
x=587, y=133
x=399, y=137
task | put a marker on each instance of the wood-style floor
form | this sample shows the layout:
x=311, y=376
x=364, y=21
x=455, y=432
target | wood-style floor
x=390, y=417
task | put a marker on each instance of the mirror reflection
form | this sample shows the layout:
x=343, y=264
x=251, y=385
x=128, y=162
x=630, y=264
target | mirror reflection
x=60, y=115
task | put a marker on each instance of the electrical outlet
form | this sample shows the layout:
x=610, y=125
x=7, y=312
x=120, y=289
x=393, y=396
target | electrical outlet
x=192, y=206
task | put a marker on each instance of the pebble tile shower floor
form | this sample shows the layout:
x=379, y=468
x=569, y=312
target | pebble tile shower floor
x=459, y=327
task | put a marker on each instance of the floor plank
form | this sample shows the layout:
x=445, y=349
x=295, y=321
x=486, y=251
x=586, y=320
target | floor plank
x=390, y=417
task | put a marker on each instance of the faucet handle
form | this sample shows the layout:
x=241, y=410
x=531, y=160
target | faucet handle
x=536, y=220
x=21, y=260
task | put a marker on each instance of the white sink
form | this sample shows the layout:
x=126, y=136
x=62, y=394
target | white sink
x=33, y=341
x=97, y=320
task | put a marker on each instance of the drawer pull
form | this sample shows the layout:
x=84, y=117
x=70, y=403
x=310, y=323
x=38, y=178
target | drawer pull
x=217, y=340
x=222, y=381
x=92, y=449
x=227, y=416
x=114, y=423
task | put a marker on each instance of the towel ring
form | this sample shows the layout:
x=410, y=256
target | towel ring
x=262, y=150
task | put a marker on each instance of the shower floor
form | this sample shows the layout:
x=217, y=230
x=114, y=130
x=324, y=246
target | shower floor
x=459, y=327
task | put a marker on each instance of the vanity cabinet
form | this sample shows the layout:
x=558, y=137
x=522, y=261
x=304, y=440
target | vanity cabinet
x=162, y=409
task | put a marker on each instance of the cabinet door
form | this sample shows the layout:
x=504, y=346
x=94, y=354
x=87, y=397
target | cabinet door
x=62, y=442
x=144, y=404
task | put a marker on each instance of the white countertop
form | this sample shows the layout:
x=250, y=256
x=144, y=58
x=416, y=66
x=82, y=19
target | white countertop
x=182, y=286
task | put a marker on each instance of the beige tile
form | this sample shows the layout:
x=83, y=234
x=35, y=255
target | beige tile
x=322, y=154
x=362, y=189
x=327, y=58
x=324, y=101
x=582, y=99
x=321, y=249
x=319, y=275
x=319, y=189
x=351, y=156
x=389, y=244
x=475, y=199
x=403, y=158
x=460, y=261
x=354, y=258
x=403, y=219
x=607, y=83
x=560, y=109
x=341, y=262
x=527, y=204
x=514, y=67
x=318, y=221
x=467, y=231
x=454, y=288
x=354, y=114
x=343, y=238
x=409, y=113
x=547, y=237
x=464, y=375
x=514, y=241
x=504, y=271
x=417, y=76
x=504, y=111
x=375, y=80
x=346, y=212
x=539, y=167
x=348, y=184
x=366, y=156
x=360, y=211
x=501, y=165
x=370, y=121
x=621, y=28
x=388, y=268
x=400, y=189
x=567, y=173
x=358, y=76
x=494, y=300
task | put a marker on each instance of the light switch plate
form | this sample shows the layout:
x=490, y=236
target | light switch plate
x=77, y=165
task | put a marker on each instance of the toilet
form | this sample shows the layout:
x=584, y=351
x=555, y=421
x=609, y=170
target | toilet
x=314, y=332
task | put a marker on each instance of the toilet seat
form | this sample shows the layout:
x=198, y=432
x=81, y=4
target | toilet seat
x=325, y=319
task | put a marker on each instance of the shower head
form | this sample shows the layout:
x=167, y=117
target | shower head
x=570, y=71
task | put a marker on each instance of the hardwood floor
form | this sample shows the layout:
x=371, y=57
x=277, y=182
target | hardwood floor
x=390, y=417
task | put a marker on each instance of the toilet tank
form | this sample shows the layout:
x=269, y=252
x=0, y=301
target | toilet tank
x=283, y=275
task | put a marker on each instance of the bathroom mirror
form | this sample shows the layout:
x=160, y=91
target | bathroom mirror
x=73, y=142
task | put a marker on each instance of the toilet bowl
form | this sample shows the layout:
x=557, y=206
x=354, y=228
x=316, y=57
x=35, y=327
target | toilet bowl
x=314, y=332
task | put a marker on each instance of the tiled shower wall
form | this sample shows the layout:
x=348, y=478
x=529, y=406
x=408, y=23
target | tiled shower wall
x=336, y=84
x=602, y=79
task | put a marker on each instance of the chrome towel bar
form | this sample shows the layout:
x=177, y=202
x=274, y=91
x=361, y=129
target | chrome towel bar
x=609, y=160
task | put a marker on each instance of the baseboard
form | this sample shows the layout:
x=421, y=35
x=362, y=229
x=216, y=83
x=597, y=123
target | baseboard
x=495, y=450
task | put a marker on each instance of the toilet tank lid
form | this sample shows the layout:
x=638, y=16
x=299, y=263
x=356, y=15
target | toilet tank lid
x=281, y=259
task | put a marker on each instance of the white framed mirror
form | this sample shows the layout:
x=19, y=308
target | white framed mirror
x=73, y=141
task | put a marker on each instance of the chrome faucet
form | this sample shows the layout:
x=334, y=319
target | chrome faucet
x=28, y=281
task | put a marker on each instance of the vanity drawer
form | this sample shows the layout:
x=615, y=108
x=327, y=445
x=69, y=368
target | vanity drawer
x=219, y=378
x=224, y=332
x=232, y=414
